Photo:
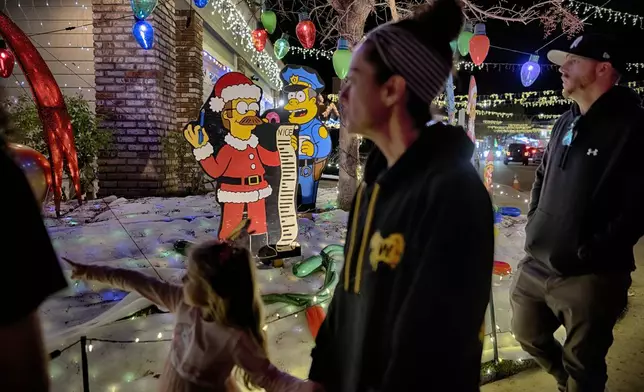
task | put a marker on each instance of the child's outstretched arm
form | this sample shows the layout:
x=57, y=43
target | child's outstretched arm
x=161, y=293
x=250, y=357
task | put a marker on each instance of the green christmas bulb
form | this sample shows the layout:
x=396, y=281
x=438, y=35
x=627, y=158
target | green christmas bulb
x=281, y=46
x=269, y=20
x=453, y=45
x=464, y=40
x=342, y=58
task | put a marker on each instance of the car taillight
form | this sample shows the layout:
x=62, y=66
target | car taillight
x=526, y=154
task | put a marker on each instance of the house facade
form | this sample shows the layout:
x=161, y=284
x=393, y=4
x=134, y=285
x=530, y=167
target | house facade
x=142, y=94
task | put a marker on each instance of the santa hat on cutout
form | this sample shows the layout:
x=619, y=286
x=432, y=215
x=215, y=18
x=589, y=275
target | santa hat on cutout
x=233, y=85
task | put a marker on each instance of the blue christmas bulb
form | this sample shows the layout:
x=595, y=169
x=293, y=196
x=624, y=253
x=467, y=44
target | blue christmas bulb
x=143, y=33
x=530, y=71
x=201, y=3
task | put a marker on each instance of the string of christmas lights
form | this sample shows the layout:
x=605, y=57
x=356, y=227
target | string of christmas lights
x=610, y=15
x=235, y=23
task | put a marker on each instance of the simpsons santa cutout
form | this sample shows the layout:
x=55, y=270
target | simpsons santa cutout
x=236, y=160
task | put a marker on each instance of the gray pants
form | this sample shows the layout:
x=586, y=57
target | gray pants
x=588, y=306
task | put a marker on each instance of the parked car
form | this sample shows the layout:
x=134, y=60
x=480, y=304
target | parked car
x=517, y=152
x=537, y=155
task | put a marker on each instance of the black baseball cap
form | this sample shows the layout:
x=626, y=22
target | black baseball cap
x=599, y=47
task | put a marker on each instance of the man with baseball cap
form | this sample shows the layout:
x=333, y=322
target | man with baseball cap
x=586, y=214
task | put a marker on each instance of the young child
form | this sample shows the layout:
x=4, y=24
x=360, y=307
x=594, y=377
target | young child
x=218, y=320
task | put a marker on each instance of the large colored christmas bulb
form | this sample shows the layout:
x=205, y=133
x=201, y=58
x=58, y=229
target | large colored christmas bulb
x=281, y=47
x=269, y=20
x=342, y=58
x=479, y=45
x=530, y=71
x=305, y=31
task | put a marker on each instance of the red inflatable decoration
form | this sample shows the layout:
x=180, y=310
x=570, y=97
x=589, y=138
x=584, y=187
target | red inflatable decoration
x=315, y=317
x=56, y=122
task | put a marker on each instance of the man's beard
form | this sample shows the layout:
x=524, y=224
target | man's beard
x=579, y=85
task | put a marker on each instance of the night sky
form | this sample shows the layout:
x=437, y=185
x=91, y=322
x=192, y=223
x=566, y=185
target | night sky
x=524, y=38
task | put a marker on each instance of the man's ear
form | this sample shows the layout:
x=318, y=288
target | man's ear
x=394, y=90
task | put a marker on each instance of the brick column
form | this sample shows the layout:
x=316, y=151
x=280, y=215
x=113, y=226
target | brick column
x=135, y=92
x=189, y=44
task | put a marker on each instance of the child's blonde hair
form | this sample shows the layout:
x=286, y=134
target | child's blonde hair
x=227, y=275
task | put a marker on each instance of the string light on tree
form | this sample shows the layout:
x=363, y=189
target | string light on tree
x=305, y=31
x=312, y=53
x=281, y=47
x=479, y=44
x=530, y=71
x=610, y=15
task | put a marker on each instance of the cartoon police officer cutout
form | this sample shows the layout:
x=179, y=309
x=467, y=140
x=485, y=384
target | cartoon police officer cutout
x=236, y=160
x=302, y=86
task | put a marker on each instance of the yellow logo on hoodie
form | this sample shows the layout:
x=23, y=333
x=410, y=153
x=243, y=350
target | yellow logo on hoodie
x=386, y=250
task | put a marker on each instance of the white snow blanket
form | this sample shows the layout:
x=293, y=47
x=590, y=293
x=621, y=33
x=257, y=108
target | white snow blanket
x=140, y=233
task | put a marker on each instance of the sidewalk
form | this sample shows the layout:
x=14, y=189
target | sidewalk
x=625, y=358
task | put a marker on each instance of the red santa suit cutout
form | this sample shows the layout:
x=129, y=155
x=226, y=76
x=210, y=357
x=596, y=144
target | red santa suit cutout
x=238, y=166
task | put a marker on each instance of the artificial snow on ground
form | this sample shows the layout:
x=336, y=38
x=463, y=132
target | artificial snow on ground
x=141, y=233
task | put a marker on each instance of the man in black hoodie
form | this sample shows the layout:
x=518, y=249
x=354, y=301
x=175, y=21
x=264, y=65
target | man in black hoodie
x=586, y=214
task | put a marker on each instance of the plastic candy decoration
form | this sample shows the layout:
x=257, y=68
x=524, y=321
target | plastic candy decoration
x=143, y=32
x=35, y=167
x=479, y=45
x=259, y=36
x=315, y=317
x=269, y=20
x=281, y=47
x=463, y=41
x=7, y=60
x=49, y=100
x=342, y=58
x=305, y=31
x=501, y=268
x=143, y=8
x=201, y=3
x=530, y=71
x=510, y=211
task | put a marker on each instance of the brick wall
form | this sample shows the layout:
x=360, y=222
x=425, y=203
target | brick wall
x=135, y=91
x=189, y=44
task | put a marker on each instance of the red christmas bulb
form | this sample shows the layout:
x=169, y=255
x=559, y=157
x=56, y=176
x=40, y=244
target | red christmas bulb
x=7, y=60
x=259, y=36
x=479, y=45
x=305, y=31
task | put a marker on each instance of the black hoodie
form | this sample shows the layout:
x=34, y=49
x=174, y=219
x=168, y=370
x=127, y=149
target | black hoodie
x=408, y=310
x=587, y=206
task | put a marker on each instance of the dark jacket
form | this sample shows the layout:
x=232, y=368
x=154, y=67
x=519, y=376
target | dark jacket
x=587, y=205
x=407, y=312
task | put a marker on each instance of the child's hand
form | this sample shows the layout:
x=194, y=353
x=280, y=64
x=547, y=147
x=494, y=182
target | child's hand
x=78, y=270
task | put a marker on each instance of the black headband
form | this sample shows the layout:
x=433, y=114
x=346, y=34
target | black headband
x=424, y=70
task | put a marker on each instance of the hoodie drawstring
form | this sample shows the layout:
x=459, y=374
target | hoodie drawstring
x=365, y=236
x=352, y=237
x=363, y=241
